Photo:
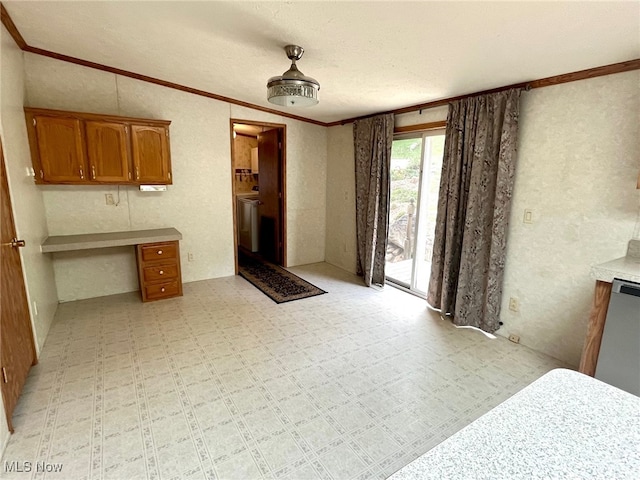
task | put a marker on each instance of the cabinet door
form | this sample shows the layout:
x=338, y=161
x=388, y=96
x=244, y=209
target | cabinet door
x=108, y=151
x=151, y=158
x=61, y=149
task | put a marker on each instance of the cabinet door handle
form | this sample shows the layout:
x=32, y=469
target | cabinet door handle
x=137, y=173
x=4, y=375
x=159, y=252
x=93, y=172
x=162, y=289
x=81, y=174
x=161, y=272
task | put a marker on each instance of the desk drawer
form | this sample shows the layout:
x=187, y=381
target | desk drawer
x=162, y=290
x=159, y=251
x=159, y=270
x=163, y=272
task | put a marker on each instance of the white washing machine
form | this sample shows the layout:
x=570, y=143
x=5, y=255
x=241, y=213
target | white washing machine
x=247, y=218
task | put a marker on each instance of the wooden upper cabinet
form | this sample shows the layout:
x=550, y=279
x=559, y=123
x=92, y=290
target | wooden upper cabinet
x=88, y=149
x=151, y=160
x=108, y=152
x=61, y=149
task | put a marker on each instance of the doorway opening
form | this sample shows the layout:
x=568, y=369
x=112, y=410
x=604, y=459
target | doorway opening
x=416, y=165
x=258, y=166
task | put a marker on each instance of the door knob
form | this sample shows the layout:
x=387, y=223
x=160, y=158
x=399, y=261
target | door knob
x=15, y=243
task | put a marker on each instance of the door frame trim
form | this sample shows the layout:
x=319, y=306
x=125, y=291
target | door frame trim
x=283, y=182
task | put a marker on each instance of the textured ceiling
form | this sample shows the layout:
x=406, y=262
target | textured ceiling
x=368, y=56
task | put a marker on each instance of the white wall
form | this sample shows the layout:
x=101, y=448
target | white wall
x=199, y=203
x=341, y=199
x=27, y=200
x=578, y=163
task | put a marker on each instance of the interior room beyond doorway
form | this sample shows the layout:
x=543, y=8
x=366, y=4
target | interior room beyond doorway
x=258, y=166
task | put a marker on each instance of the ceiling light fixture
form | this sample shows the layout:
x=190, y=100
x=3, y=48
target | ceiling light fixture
x=293, y=88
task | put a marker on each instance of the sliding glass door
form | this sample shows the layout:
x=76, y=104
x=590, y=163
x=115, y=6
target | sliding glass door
x=416, y=163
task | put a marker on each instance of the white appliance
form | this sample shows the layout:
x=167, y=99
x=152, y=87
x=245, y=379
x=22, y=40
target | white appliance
x=247, y=218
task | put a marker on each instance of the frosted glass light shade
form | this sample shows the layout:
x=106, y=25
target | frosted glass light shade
x=293, y=95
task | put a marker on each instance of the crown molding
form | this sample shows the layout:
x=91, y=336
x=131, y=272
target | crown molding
x=11, y=27
x=619, y=67
x=163, y=83
x=539, y=83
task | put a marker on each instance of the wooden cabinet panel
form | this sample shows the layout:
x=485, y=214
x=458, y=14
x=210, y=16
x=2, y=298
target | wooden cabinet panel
x=159, y=270
x=61, y=149
x=108, y=151
x=151, y=154
x=595, y=328
x=79, y=148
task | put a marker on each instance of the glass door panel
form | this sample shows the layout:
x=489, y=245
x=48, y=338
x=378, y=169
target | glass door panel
x=429, y=191
x=406, y=159
x=416, y=163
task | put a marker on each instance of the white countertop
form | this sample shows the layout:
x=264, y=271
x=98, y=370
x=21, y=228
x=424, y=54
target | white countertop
x=66, y=243
x=624, y=268
x=563, y=425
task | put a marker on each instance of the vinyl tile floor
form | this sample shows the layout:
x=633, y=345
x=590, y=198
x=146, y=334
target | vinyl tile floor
x=224, y=383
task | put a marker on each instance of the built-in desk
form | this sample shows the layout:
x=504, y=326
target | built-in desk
x=157, y=256
x=68, y=243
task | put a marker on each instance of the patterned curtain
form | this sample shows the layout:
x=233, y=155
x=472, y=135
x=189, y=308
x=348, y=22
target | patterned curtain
x=372, y=139
x=473, y=208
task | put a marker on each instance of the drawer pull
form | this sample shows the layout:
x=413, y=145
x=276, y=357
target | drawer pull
x=162, y=289
x=161, y=272
x=159, y=252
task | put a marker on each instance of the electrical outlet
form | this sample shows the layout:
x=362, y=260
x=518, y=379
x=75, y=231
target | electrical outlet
x=514, y=305
x=528, y=216
x=109, y=198
x=514, y=338
x=190, y=257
